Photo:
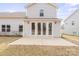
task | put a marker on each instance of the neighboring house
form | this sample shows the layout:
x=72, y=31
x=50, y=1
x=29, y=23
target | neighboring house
x=40, y=19
x=71, y=24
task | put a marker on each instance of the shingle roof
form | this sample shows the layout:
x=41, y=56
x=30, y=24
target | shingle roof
x=13, y=14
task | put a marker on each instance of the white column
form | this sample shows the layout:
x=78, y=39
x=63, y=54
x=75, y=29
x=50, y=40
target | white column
x=46, y=28
x=24, y=33
x=41, y=28
x=36, y=28
x=30, y=29
x=52, y=28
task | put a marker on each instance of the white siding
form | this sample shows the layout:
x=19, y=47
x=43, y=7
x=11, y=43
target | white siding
x=50, y=15
x=34, y=11
x=56, y=30
x=26, y=29
x=69, y=28
x=14, y=23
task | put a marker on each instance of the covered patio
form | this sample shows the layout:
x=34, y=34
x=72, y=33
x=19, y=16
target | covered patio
x=41, y=27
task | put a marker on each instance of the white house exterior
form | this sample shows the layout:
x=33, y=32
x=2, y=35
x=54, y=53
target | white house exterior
x=10, y=22
x=71, y=24
x=40, y=19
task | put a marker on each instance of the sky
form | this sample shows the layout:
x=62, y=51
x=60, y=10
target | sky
x=64, y=9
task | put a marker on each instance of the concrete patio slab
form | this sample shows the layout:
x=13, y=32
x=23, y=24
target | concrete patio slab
x=38, y=41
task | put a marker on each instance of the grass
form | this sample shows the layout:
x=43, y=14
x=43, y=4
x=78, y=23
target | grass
x=73, y=39
x=4, y=41
x=32, y=50
x=8, y=39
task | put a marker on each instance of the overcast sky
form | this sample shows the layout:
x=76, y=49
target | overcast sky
x=63, y=12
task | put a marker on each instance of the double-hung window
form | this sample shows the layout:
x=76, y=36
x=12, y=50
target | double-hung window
x=41, y=13
x=20, y=28
x=5, y=28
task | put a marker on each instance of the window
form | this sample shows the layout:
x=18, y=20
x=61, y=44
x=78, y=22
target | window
x=5, y=28
x=8, y=28
x=73, y=23
x=50, y=28
x=41, y=13
x=39, y=28
x=33, y=28
x=20, y=28
x=44, y=28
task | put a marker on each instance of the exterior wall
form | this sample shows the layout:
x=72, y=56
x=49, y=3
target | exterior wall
x=26, y=29
x=14, y=23
x=55, y=28
x=50, y=12
x=34, y=11
x=69, y=28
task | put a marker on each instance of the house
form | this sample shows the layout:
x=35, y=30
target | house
x=11, y=23
x=40, y=19
x=71, y=24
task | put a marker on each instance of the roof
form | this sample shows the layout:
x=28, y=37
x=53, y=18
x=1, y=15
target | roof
x=9, y=15
x=12, y=14
x=71, y=15
x=31, y=4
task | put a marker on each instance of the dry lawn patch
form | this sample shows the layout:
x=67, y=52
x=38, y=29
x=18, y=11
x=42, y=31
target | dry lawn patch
x=73, y=39
x=8, y=39
x=4, y=42
x=35, y=50
x=3, y=46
